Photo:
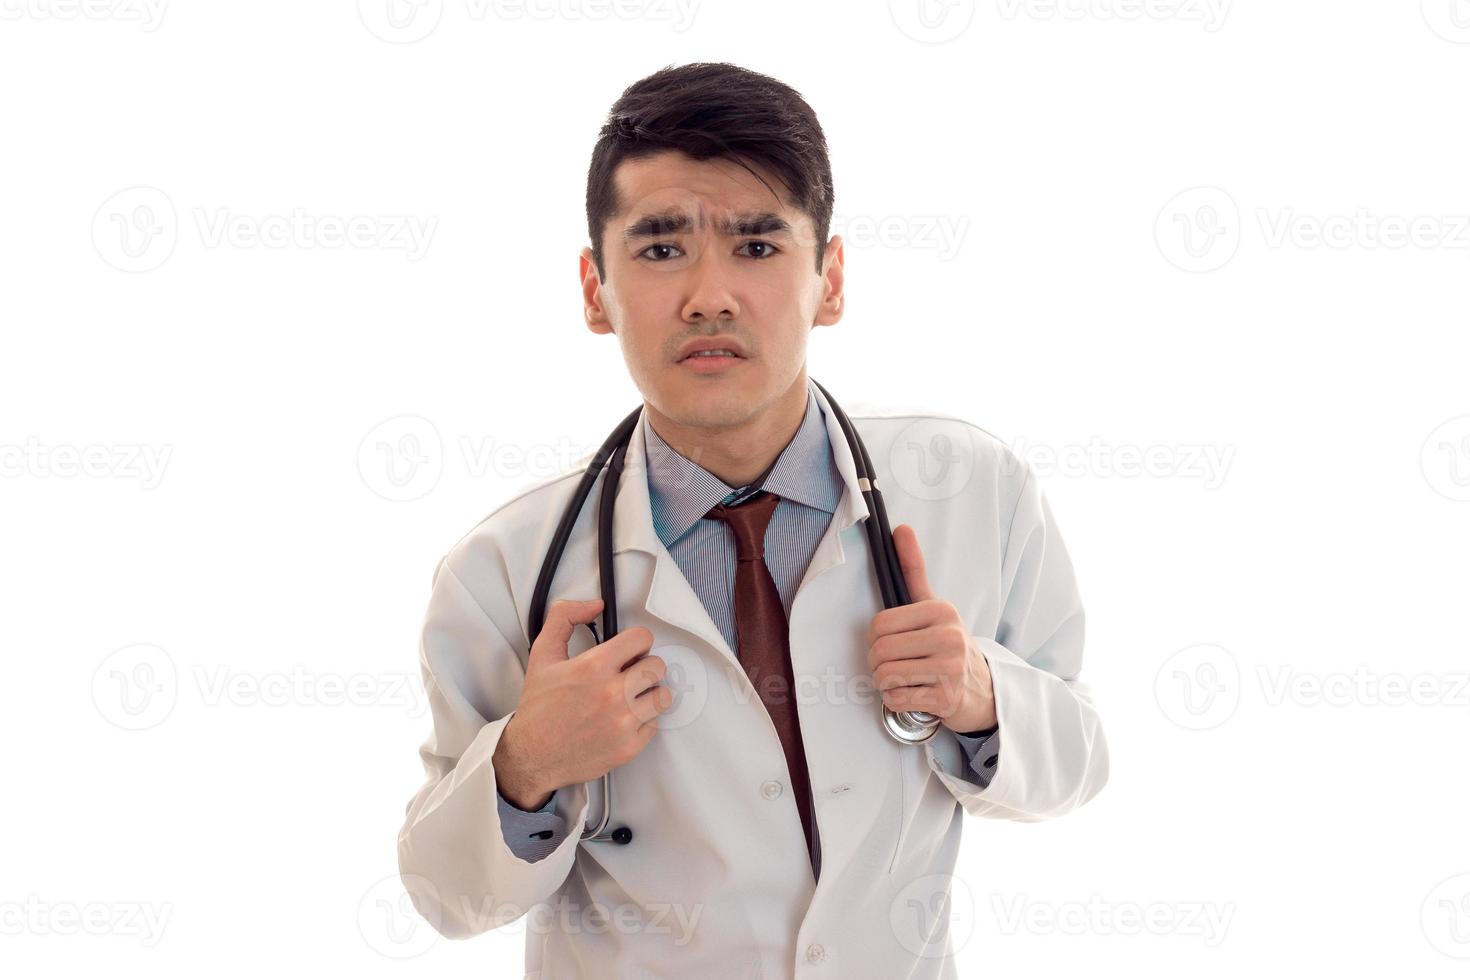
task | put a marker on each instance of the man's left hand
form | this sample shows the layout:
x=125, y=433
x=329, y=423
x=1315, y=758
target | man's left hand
x=922, y=656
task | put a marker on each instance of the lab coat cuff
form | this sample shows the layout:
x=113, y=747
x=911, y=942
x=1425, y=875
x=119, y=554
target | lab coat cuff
x=1054, y=755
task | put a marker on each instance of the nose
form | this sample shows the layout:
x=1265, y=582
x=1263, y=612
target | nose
x=710, y=297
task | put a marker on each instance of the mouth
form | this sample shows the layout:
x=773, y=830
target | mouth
x=710, y=362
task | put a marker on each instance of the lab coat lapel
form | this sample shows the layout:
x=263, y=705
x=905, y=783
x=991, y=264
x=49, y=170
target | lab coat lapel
x=669, y=597
x=641, y=557
x=850, y=509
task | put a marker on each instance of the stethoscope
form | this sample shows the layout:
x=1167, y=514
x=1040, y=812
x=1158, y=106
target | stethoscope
x=908, y=727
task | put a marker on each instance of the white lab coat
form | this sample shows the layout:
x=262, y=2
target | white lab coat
x=716, y=882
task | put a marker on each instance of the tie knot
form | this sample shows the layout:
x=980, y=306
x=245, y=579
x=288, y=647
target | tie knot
x=748, y=520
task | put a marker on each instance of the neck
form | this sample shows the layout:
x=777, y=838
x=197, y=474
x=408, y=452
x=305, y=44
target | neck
x=739, y=453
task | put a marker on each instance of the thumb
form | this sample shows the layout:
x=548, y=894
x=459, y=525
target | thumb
x=562, y=620
x=911, y=561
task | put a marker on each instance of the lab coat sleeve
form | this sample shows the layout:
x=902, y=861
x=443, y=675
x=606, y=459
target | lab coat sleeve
x=455, y=864
x=1056, y=757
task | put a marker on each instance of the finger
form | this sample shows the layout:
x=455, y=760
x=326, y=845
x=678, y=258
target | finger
x=652, y=703
x=917, y=615
x=562, y=619
x=914, y=699
x=909, y=673
x=622, y=651
x=642, y=675
x=911, y=561
x=912, y=645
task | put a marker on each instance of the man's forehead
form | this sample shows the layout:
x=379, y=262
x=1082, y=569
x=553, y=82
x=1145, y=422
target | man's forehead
x=714, y=190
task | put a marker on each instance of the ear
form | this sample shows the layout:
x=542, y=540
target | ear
x=596, y=316
x=830, y=309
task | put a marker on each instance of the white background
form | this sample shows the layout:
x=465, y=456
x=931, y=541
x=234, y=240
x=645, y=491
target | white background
x=1176, y=231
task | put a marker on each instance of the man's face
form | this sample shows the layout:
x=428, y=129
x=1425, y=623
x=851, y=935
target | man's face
x=703, y=249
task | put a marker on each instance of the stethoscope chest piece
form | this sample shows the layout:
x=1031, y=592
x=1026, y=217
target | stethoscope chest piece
x=913, y=727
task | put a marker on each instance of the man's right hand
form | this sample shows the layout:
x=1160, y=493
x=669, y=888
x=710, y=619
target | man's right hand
x=579, y=717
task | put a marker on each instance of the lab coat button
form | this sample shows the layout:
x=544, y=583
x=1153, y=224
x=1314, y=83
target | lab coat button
x=815, y=953
x=771, y=789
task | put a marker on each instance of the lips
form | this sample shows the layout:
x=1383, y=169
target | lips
x=701, y=354
x=711, y=343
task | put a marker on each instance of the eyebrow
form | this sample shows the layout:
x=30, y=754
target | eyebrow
x=675, y=222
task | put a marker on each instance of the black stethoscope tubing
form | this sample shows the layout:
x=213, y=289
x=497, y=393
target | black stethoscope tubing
x=906, y=726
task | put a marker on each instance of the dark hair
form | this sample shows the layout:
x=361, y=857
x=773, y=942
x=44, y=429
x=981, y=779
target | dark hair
x=714, y=109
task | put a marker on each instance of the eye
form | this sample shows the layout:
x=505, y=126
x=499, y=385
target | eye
x=771, y=250
x=656, y=245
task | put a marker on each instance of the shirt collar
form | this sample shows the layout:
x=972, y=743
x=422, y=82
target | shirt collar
x=681, y=491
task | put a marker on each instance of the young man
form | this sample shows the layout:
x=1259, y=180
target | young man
x=778, y=829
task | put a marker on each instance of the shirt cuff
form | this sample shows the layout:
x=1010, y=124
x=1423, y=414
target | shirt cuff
x=982, y=748
x=530, y=834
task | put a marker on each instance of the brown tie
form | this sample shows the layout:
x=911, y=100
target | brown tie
x=764, y=641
